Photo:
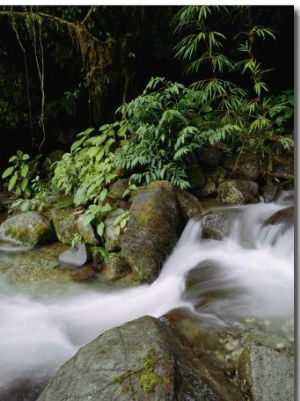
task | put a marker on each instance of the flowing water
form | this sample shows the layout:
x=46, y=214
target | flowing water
x=249, y=273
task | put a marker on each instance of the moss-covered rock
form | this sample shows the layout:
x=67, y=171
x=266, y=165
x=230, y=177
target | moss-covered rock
x=154, y=226
x=28, y=228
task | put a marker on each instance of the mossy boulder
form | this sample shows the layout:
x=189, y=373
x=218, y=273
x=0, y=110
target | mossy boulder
x=65, y=224
x=140, y=360
x=238, y=192
x=154, y=225
x=30, y=228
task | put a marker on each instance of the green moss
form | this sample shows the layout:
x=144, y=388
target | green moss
x=26, y=236
x=147, y=376
x=19, y=234
x=143, y=221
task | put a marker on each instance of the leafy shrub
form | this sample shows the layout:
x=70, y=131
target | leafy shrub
x=164, y=127
x=22, y=175
x=89, y=168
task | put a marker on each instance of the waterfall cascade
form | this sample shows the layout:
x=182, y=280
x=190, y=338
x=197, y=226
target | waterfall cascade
x=249, y=273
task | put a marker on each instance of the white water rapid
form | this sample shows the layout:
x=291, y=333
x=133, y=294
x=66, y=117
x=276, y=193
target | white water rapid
x=250, y=273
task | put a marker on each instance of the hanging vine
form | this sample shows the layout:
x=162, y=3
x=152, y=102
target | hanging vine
x=26, y=72
x=96, y=56
x=39, y=58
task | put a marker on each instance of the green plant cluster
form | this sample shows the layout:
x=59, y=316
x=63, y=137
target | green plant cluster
x=23, y=175
x=260, y=121
x=159, y=133
x=164, y=127
x=89, y=168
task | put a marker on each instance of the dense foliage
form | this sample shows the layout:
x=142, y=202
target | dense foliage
x=157, y=134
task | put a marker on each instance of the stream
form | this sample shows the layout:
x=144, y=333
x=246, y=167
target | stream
x=43, y=323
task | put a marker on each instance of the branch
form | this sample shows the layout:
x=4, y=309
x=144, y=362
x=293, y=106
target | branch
x=88, y=15
x=55, y=19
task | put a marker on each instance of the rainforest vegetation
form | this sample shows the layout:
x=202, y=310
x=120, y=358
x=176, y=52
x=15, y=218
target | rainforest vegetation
x=140, y=88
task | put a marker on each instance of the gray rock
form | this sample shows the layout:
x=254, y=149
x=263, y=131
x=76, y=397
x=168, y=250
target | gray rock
x=216, y=226
x=141, y=360
x=238, y=192
x=269, y=374
x=189, y=205
x=76, y=256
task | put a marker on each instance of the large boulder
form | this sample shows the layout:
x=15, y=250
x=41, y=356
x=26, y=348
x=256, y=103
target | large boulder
x=141, y=360
x=154, y=225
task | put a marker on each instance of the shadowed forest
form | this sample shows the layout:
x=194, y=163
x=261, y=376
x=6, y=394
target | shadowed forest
x=66, y=68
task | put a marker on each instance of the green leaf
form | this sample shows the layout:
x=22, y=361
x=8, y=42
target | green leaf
x=105, y=208
x=100, y=229
x=80, y=196
x=12, y=182
x=24, y=184
x=25, y=157
x=88, y=218
x=24, y=170
x=77, y=144
x=8, y=172
x=103, y=194
x=12, y=158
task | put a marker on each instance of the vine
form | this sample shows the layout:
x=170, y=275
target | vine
x=26, y=71
x=41, y=73
x=96, y=55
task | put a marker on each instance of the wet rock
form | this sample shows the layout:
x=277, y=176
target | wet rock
x=116, y=266
x=117, y=189
x=209, y=188
x=153, y=228
x=269, y=192
x=283, y=168
x=269, y=375
x=143, y=360
x=284, y=216
x=112, y=239
x=211, y=156
x=74, y=257
x=24, y=390
x=216, y=226
x=189, y=205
